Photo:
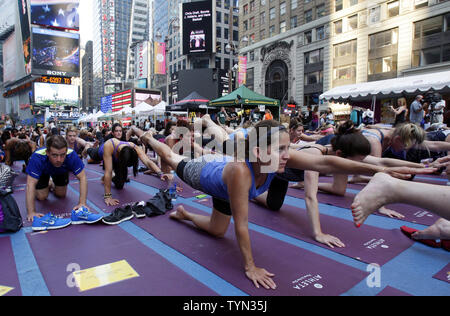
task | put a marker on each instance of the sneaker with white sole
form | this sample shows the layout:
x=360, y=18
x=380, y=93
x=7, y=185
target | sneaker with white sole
x=49, y=221
x=118, y=216
x=84, y=216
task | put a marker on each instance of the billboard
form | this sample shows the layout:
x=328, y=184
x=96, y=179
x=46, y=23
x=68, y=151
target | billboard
x=56, y=13
x=26, y=37
x=197, y=19
x=55, y=95
x=150, y=97
x=9, y=58
x=160, y=58
x=141, y=62
x=55, y=53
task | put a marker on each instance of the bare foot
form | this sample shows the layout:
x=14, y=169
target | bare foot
x=299, y=185
x=439, y=230
x=372, y=197
x=180, y=214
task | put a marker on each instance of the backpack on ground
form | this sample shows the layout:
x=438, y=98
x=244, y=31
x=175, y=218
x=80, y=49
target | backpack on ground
x=10, y=218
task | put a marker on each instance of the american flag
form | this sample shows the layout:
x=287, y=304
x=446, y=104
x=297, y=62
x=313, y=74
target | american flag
x=120, y=100
x=116, y=101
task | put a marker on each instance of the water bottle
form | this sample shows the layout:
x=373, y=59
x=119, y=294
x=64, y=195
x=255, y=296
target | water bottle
x=172, y=183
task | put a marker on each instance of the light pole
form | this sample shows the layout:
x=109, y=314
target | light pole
x=230, y=47
x=175, y=27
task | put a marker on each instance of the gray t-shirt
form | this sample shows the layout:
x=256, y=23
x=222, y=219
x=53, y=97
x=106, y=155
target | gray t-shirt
x=416, y=117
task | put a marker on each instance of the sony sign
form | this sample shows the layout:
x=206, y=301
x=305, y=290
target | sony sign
x=57, y=73
x=141, y=63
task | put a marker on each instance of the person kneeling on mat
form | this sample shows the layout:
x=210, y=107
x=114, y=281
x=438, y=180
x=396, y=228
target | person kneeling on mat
x=54, y=161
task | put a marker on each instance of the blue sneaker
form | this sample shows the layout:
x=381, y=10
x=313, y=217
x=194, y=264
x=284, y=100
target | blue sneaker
x=50, y=221
x=83, y=216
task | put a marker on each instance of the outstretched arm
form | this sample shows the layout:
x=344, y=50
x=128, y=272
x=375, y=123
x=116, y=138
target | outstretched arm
x=239, y=182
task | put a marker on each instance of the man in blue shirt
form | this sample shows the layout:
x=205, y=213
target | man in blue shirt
x=55, y=161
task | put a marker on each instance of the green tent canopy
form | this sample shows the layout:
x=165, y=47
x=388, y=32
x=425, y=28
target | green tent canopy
x=244, y=96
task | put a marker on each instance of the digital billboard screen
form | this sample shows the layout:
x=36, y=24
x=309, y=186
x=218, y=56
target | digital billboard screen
x=55, y=95
x=198, y=28
x=55, y=53
x=56, y=13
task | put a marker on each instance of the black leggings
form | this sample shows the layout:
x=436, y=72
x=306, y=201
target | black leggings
x=276, y=193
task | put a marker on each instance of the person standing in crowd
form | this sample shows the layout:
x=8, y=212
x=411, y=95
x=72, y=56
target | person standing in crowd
x=268, y=115
x=417, y=110
x=222, y=116
x=400, y=111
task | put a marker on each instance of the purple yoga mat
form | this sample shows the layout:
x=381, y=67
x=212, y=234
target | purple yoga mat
x=88, y=247
x=413, y=214
x=60, y=207
x=391, y=291
x=154, y=181
x=444, y=274
x=8, y=271
x=297, y=271
x=367, y=244
x=128, y=195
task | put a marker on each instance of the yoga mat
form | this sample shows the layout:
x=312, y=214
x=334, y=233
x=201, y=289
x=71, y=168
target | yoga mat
x=58, y=253
x=444, y=274
x=297, y=271
x=154, y=181
x=128, y=195
x=368, y=244
x=61, y=207
x=391, y=291
x=413, y=214
x=8, y=271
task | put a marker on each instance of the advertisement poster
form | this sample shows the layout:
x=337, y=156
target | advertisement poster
x=56, y=13
x=198, y=27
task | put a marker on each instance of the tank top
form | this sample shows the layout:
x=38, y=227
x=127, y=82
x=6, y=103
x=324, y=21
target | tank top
x=212, y=183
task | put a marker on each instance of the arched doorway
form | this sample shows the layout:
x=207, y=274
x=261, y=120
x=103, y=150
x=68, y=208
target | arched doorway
x=277, y=83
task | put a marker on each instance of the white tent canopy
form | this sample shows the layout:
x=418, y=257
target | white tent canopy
x=157, y=109
x=390, y=87
x=142, y=107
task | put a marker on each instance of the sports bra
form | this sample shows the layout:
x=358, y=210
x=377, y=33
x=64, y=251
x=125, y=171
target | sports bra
x=100, y=150
x=368, y=133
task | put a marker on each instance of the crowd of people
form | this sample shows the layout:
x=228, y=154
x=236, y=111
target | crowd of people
x=238, y=158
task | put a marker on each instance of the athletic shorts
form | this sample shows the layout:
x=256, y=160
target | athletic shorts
x=93, y=153
x=189, y=171
x=60, y=180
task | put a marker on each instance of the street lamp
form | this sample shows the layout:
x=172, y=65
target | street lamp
x=233, y=50
x=175, y=27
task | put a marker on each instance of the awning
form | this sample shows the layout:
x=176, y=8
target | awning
x=389, y=88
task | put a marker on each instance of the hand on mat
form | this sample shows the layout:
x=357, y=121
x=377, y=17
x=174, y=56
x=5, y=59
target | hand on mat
x=111, y=202
x=32, y=215
x=167, y=177
x=390, y=213
x=406, y=172
x=329, y=240
x=441, y=162
x=261, y=276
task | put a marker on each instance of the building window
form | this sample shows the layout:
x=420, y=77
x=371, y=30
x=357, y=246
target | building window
x=282, y=8
x=272, y=31
x=252, y=22
x=294, y=22
x=308, y=16
x=338, y=27
x=345, y=49
x=252, y=39
x=219, y=31
x=314, y=77
x=308, y=37
x=374, y=14
x=263, y=2
x=308, y=1
x=314, y=56
x=382, y=65
x=431, y=56
x=245, y=9
x=272, y=13
x=353, y=2
x=393, y=9
x=294, y=4
x=338, y=5
x=353, y=22
x=344, y=73
x=320, y=33
x=262, y=18
x=252, y=6
x=245, y=25
x=320, y=10
x=219, y=16
x=382, y=39
x=428, y=27
x=420, y=3
x=283, y=27
x=262, y=34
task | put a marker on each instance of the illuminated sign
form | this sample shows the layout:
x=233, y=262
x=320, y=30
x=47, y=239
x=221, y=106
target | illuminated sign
x=52, y=79
x=198, y=27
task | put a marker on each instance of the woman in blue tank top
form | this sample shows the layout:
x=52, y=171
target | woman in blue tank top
x=232, y=183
